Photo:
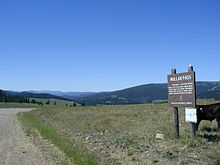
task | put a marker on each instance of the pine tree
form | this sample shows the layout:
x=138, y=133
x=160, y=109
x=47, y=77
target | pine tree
x=48, y=102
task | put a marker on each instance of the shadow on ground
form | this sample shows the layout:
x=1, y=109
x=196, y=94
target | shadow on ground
x=210, y=134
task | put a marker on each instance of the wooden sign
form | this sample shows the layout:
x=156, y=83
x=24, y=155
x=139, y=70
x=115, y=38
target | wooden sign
x=181, y=90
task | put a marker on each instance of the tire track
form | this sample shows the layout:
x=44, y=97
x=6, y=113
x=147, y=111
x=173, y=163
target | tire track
x=15, y=147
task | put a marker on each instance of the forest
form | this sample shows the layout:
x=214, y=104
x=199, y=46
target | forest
x=4, y=97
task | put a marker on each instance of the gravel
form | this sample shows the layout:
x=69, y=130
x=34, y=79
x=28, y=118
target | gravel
x=15, y=147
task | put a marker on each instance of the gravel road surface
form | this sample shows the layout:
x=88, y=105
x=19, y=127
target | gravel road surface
x=15, y=147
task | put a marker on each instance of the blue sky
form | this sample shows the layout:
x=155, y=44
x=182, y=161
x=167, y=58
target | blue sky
x=104, y=45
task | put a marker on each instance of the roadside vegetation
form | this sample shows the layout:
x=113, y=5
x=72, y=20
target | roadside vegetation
x=122, y=134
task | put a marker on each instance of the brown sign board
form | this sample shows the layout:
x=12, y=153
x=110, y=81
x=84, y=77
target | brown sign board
x=181, y=90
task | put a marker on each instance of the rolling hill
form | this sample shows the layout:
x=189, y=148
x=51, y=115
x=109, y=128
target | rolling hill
x=147, y=94
x=38, y=95
x=215, y=95
x=60, y=93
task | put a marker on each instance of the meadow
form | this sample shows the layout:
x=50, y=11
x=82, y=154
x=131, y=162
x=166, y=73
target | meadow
x=17, y=105
x=55, y=102
x=122, y=134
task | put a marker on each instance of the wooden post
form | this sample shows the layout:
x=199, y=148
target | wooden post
x=192, y=125
x=175, y=114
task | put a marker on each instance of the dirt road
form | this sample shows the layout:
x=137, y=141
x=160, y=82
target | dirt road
x=15, y=147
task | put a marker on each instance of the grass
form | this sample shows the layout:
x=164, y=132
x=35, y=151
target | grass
x=17, y=105
x=55, y=102
x=123, y=134
x=77, y=154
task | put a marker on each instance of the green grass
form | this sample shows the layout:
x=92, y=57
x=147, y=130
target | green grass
x=76, y=153
x=55, y=101
x=59, y=103
x=124, y=134
x=17, y=105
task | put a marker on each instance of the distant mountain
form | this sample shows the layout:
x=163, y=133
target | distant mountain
x=149, y=93
x=145, y=94
x=38, y=95
x=210, y=95
x=135, y=95
x=63, y=94
x=206, y=86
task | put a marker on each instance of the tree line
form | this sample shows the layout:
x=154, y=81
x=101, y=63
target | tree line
x=4, y=97
x=12, y=98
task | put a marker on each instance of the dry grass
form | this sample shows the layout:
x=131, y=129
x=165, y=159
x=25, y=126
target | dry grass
x=125, y=134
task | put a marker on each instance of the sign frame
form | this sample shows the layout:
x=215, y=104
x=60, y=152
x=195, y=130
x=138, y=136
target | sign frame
x=182, y=89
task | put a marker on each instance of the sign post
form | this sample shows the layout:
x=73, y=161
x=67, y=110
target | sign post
x=175, y=112
x=182, y=93
x=192, y=124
